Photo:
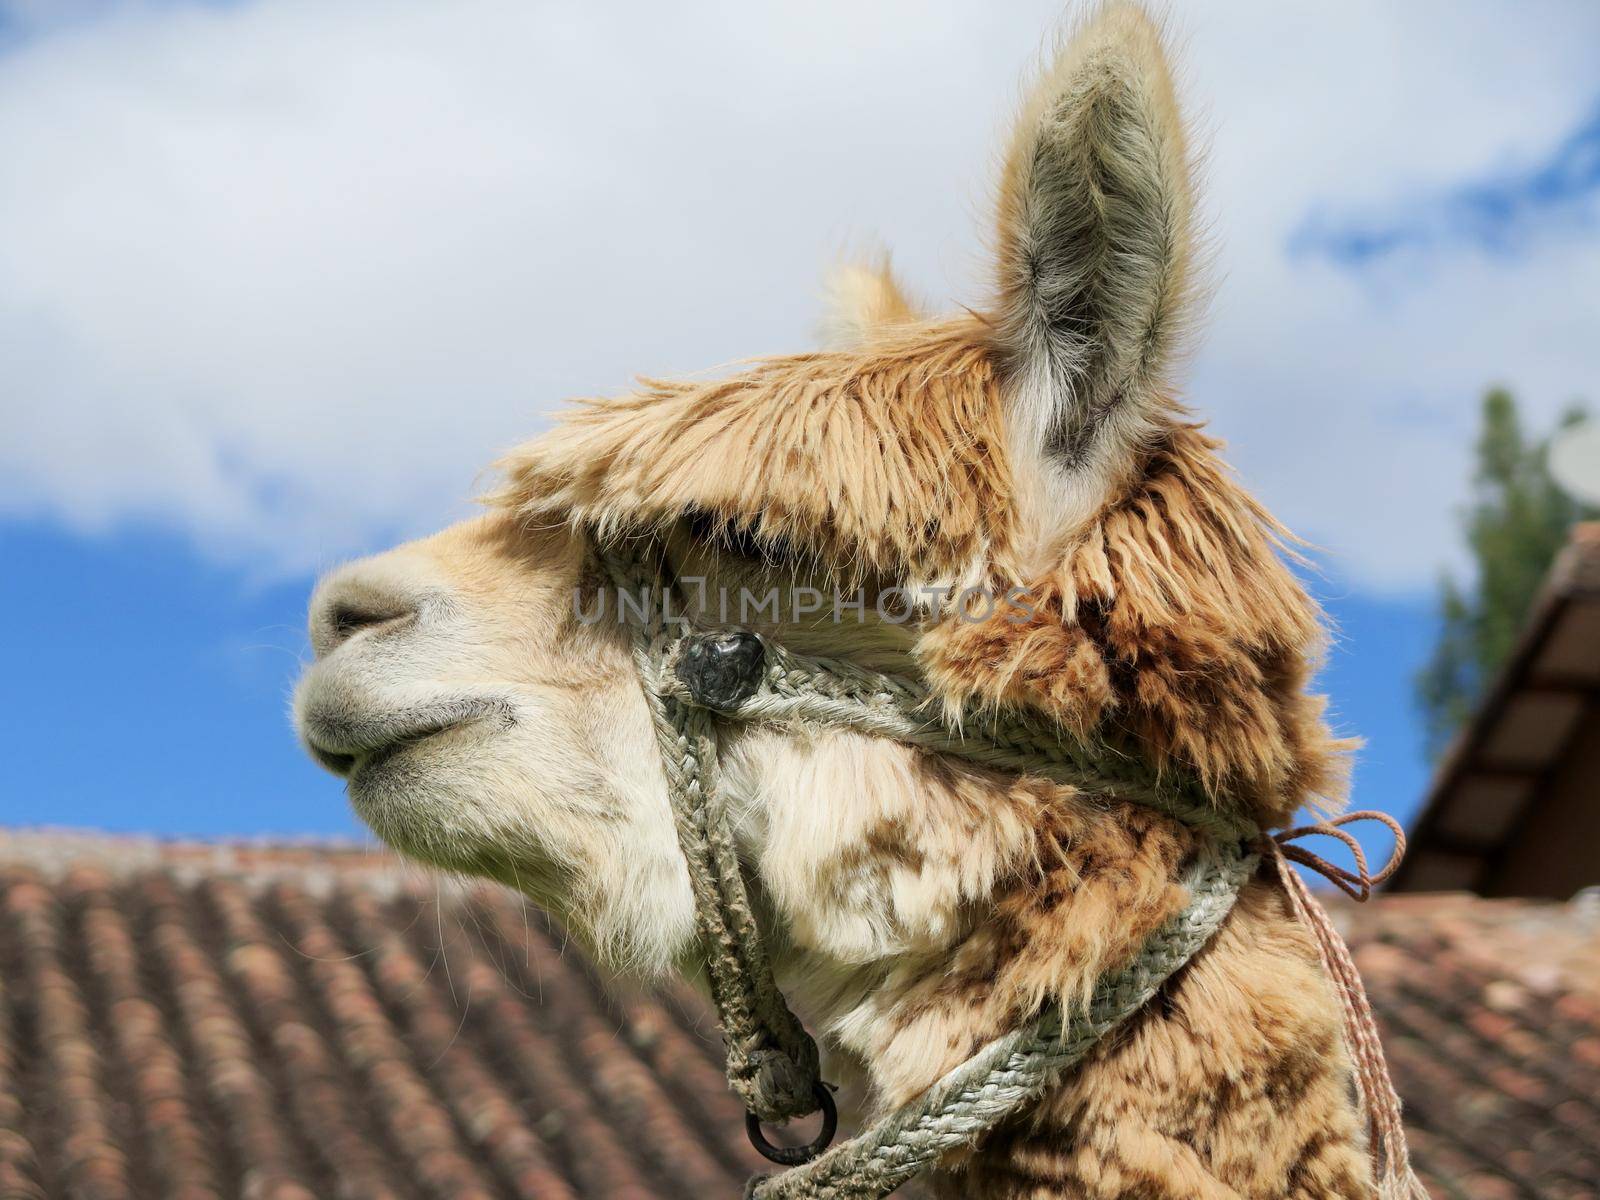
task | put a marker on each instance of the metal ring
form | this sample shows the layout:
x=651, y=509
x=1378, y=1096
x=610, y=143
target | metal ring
x=794, y=1156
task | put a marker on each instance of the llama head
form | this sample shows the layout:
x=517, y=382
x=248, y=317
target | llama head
x=1022, y=512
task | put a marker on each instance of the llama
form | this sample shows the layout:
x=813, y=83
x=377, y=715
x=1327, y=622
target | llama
x=915, y=905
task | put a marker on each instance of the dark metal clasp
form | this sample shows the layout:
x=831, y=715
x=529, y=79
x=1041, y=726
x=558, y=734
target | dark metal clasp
x=722, y=670
x=794, y=1156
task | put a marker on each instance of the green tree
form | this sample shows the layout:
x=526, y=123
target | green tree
x=1516, y=523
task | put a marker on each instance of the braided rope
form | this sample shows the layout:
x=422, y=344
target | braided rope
x=772, y=1062
x=1013, y=1070
x=806, y=690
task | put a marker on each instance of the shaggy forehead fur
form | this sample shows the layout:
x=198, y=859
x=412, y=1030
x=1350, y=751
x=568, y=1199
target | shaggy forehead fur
x=886, y=460
x=1170, y=620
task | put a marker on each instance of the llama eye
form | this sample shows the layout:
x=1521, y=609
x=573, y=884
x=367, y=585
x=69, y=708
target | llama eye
x=738, y=539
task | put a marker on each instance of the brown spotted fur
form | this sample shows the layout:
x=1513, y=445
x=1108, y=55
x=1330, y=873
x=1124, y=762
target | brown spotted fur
x=1170, y=622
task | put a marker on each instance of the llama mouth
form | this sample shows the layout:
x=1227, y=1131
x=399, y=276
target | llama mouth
x=347, y=765
x=346, y=746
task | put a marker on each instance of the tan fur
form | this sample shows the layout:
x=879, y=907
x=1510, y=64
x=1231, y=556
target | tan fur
x=1173, y=615
x=1235, y=1078
x=884, y=459
x=1171, y=624
x=916, y=907
x=863, y=301
x=1232, y=1084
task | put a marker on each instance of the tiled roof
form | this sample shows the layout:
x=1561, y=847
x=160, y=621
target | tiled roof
x=283, y=1025
x=1490, y=1013
x=191, y=1022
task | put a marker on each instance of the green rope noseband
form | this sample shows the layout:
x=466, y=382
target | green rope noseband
x=692, y=681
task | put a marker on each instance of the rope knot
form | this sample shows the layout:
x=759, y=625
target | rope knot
x=774, y=1084
x=781, y=1086
x=1387, y=1142
x=1356, y=884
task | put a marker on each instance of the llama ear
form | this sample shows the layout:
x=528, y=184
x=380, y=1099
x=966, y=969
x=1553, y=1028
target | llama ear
x=1094, y=257
x=863, y=298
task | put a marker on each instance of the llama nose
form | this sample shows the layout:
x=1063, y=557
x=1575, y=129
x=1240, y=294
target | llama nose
x=362, y=598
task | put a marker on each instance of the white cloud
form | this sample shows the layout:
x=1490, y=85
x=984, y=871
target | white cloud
x=286, y=274
x=1351, y=397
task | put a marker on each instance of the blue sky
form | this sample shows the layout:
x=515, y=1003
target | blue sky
x=150, y=691
x=1500, y=212
x=278, y=279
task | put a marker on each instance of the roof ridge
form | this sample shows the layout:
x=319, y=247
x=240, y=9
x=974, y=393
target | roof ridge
x=54, y=851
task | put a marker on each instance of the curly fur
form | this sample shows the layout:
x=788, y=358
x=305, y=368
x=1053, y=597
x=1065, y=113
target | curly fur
x=1171, y=620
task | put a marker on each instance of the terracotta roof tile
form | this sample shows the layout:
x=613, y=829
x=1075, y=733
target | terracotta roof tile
x=1484, y=1007
x=200, y=1022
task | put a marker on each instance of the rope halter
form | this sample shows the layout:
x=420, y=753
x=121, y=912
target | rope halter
x=695, y=681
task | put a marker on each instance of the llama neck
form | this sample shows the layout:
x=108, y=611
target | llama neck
x=926, y=909
x=1234, y=1084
